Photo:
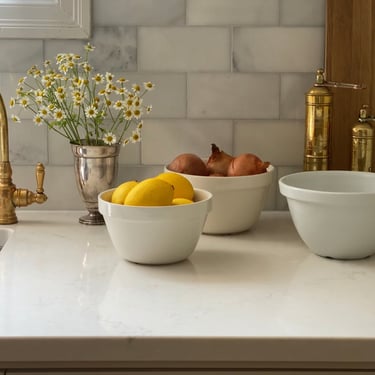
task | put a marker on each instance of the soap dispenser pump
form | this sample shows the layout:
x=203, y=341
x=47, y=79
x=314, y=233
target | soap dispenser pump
x=362, y=142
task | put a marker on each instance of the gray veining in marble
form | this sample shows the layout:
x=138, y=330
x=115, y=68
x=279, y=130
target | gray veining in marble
x=19, y=55
x=116, y=48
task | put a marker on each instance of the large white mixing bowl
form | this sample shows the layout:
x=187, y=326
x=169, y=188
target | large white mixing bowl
x=333, y=211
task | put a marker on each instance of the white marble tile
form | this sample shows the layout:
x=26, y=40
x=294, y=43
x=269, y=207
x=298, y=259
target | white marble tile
x=59, y=186
x=302, y=12
x=177, y=49
x=19, y=55
x=163, y=140
x=270, y=203
x=115, y=48
x=138, y=172
x=27, y=143
x=233, y=96
x=138, y=12
x=292, y=94
x=130, y=154
x=59, y=150
x=280, y=142
x=281, y=202
x=278, y=49
x=229, y=12
x=168, y=99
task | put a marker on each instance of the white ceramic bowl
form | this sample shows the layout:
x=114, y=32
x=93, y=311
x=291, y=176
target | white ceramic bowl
x=333, y=211
x=237, y=201
x=155, y=235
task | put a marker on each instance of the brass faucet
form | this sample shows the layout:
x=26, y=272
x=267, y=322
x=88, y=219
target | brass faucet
x=10, y=196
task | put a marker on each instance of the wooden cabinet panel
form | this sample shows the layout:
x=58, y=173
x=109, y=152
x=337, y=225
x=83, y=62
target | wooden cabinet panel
x=350, y=57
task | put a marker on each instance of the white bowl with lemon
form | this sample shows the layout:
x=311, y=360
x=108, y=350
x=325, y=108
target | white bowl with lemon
x=155, y=221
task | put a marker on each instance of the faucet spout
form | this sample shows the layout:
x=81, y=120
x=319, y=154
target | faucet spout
x=4, y=138
x=10, y=196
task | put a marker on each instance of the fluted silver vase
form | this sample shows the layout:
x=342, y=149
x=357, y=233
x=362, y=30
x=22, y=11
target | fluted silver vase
x=96, y=169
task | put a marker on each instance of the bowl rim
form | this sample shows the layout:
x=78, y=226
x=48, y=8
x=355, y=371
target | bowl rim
x=208, y=197
x=270, y=169
x=291, y=191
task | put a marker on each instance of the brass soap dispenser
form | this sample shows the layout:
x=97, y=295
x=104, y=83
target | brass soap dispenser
x=318, y=119
x=362, y=142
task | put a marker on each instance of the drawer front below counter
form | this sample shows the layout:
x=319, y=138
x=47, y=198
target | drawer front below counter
x=187, y=372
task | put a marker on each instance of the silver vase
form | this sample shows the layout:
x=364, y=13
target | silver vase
x=96, y=169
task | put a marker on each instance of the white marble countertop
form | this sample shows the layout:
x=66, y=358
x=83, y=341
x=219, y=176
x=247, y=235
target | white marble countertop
x=255, y=296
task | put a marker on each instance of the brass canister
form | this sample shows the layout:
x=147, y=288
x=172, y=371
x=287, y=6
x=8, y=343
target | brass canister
x=362, y=143
x=318, y=119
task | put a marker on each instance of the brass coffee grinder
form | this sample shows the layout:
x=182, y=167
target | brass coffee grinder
x=318, y=119
x=362, y=141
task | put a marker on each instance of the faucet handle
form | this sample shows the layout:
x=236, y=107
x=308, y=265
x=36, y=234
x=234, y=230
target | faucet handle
x=39, y=173
x=24, y=197
x=39, y=196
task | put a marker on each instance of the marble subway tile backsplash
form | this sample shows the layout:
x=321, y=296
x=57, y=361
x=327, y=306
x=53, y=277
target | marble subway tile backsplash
x=228, y=72
x=184, y=49
x=218, y=96
x=224, y=12
x=277, y=49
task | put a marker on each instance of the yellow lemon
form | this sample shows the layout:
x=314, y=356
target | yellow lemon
x=150, y=192
x=178, y=201
x=182, y=186
x=120, y=193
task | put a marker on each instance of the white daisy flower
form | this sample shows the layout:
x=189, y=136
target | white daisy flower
x=89, y=47
x=137, y=113
x=136, y=136
x=24, y=102
x=136, y=87
x=91, y=111
x=109, y=138
x=15, y=118
x=118, y=105
x=148, y=86
x=128, y=114
x=38, y=120
x=43, y=111
x=98, y=78
x=58, y=115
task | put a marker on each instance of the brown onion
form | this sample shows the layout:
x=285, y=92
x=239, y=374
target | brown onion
x=247, y=164
x=189, y=164
x=218, y=162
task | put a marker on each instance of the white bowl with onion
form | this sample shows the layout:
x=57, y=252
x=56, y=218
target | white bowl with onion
x=237, y=200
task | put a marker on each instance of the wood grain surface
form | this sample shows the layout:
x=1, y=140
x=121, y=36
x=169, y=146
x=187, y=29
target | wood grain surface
x=350, y=57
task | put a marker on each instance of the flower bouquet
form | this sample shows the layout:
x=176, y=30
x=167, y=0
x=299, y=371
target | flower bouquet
x=82, y=105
